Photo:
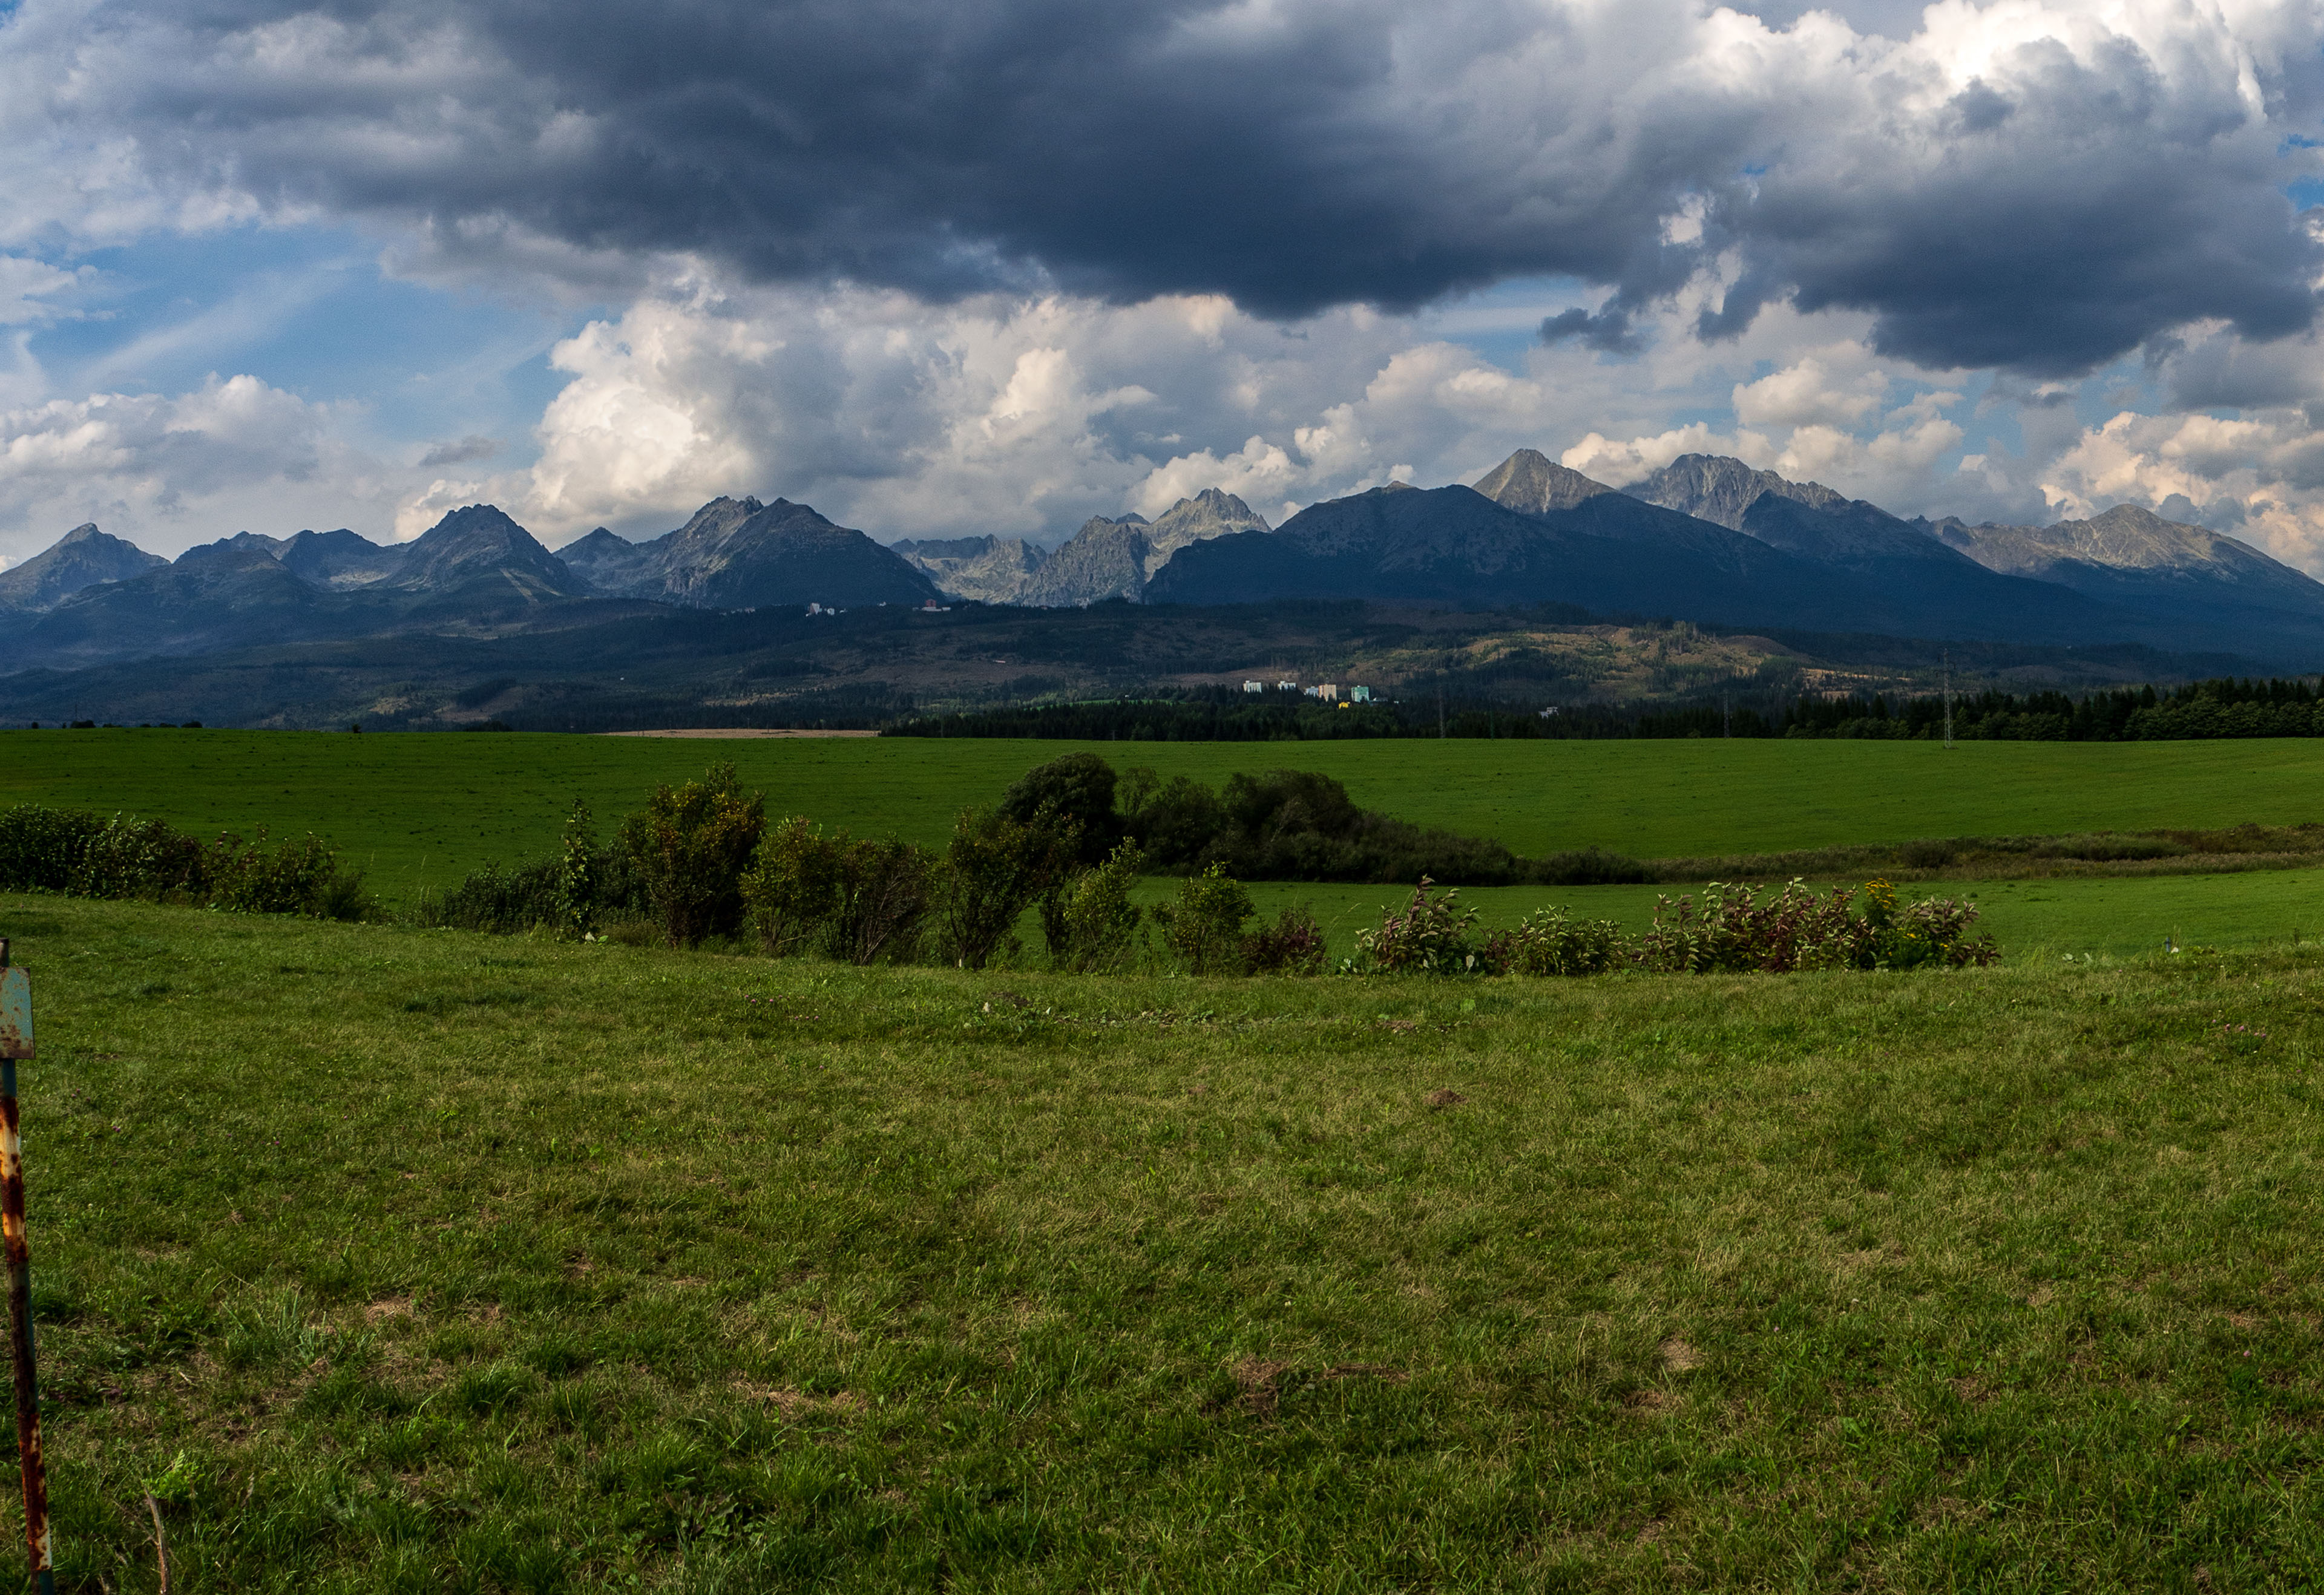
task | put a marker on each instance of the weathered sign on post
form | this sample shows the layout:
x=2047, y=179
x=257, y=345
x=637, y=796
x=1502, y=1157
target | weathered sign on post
x=16, y=1047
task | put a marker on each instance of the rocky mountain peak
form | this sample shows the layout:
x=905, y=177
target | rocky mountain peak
x=1531, y=483
x=1721, y=489
x=82, y=558
x=478, y=550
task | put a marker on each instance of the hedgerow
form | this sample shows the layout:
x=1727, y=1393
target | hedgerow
x=79, y=853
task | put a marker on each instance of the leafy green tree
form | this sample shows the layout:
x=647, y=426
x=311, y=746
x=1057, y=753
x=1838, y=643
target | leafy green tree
x=1075, y=792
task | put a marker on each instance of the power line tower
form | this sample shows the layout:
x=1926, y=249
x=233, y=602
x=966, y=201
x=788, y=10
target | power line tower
x=1949, y=697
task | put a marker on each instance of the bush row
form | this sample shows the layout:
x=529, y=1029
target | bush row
x=1730, y=929
x=82, y=853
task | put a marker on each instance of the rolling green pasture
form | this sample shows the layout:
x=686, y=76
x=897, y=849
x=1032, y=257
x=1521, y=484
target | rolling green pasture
x=396, y=1260
x=421, y=808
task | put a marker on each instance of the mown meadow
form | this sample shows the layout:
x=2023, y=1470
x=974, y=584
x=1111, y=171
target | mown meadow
x=386, y=1260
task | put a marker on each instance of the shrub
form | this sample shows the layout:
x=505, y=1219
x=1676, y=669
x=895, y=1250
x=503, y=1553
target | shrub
x=1293, y=945
x=1091, y=924
x=1205, y=927
x=792, y=886
x=690, y=846
x=1432, y=936
x=1933, y=930
x=1290, y=824
x=1734, y=928
x=994, y=870
x=41, y=847
x=1548, y=941
x=504, y=902
x=137, y=859
x=885, y=892
x=301, y=877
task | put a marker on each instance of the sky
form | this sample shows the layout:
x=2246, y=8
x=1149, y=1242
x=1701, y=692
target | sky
x=941, y=269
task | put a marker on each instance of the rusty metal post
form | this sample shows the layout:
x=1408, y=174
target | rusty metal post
x=15, y=1044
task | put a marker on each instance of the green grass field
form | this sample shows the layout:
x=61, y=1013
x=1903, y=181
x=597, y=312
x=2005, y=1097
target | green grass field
x=421, y=808
x=397, y=1260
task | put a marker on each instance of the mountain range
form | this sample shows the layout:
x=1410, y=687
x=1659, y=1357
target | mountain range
x=1705, y=538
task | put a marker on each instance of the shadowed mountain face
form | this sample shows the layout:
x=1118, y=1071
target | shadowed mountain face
x=602, y=559
x=475, y=569
x=478, y=555
x=1719, y=490
x=1706, y=538
x=339, y=559
x=82, y=558
x=740, y=554
x=1453, y=546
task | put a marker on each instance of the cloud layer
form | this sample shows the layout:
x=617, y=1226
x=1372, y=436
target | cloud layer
x=938, y=268
x=2035, y=188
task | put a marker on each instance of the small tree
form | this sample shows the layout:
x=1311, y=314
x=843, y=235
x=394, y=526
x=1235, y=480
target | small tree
x=994, y=870
x=1075, y=792
x=690, y=846
x=792, y=885
x=578, y=873
x=1205, y=927
x=1091, y=924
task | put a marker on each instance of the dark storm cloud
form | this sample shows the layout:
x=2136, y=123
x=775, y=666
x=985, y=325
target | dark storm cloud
x=2058, y=210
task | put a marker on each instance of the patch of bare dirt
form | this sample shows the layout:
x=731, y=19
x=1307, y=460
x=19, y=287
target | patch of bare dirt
x=1445, y=1097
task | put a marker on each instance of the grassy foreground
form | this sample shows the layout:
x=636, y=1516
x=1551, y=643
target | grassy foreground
x=427, y=808
x=397, y=1260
